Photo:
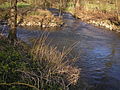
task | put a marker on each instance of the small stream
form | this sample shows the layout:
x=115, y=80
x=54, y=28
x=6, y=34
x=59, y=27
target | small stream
x=98, y=49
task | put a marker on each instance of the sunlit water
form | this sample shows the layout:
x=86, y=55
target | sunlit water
x=98, y=49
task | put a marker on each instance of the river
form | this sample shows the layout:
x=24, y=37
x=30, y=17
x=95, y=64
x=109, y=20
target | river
x=98, y=49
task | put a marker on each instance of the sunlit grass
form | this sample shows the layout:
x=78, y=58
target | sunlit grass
x=93, y=6
x=100, y=6
x=22, y=5
x=19, y=4
x=5, y=5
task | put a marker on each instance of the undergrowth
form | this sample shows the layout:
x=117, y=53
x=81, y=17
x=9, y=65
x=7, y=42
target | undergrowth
x=41, y=68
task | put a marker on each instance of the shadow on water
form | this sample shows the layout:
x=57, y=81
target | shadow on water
x=98, y=49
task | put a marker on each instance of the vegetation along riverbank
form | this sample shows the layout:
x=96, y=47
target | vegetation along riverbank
x=28, y=15
x=105, y=14
x=41, y=67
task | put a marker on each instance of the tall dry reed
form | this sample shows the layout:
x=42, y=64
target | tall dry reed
x=51, y=68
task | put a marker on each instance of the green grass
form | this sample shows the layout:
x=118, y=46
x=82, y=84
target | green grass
x=20, y=5
x=5, y=5
x=107, y=7
x=94, y=6
x=23, y=5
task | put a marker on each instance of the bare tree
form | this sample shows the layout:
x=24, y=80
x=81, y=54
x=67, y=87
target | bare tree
x=13, y=21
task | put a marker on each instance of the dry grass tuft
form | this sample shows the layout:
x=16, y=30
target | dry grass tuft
x=51, y=67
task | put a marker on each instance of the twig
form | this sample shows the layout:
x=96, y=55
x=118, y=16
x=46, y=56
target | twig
x=19, y=83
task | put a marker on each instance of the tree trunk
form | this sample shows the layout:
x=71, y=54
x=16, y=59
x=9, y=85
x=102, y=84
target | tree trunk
x=60, y=8
x=13, y=21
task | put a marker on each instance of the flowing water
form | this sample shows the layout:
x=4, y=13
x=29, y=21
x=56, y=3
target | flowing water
x=98, y=49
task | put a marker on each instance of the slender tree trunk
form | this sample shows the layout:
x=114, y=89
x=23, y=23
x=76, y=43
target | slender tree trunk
x=13, y=21
x=60, y=8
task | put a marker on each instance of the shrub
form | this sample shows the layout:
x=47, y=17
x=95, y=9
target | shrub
x=51, y=69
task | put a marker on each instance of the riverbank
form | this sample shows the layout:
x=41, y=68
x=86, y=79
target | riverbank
x=107, y=20
x=39, y=67
x=35, y=17
x=40, y=18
